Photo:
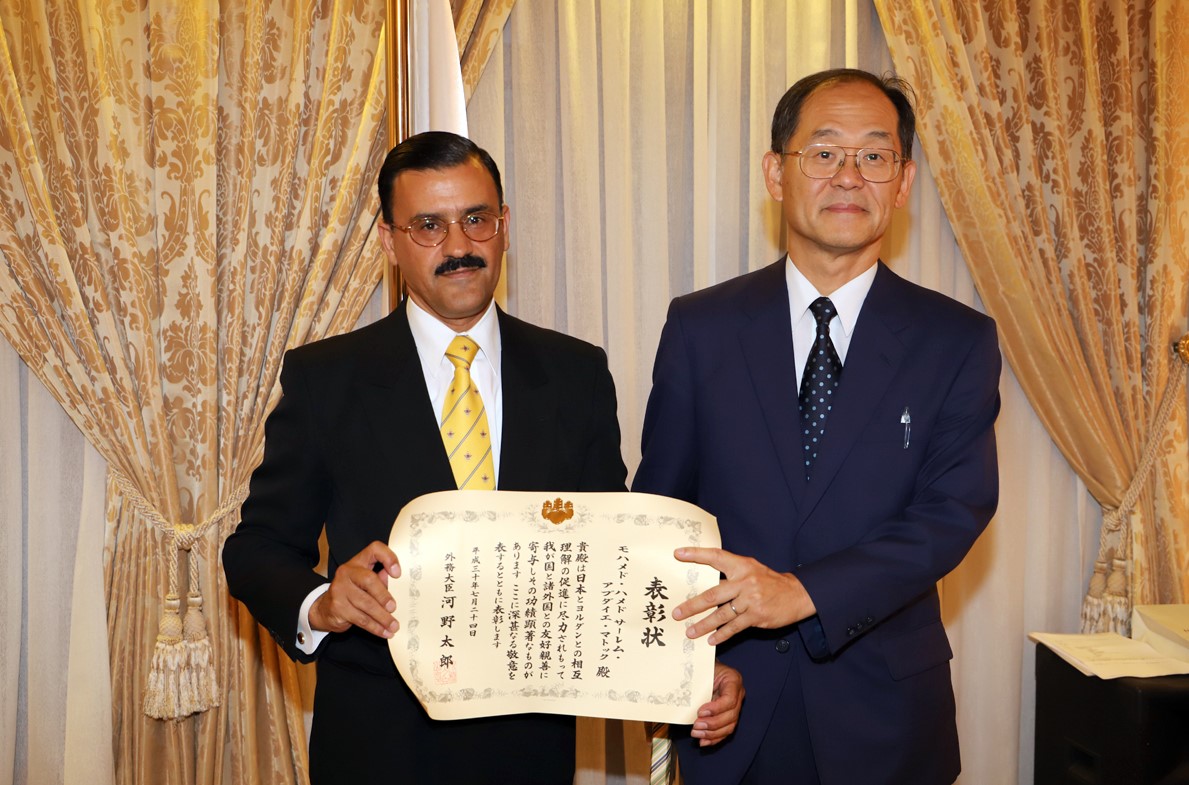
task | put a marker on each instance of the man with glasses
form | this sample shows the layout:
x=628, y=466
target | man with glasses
x=838, y=421
x=365, y=426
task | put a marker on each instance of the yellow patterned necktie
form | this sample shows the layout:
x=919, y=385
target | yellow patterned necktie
x=464, y=423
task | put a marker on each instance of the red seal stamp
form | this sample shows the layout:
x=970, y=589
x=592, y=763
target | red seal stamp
x=444, y=672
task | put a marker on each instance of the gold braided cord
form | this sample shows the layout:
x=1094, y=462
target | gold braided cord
x=1107, y=605
x=181, y=679
x=184, y=534
x=1112, y=518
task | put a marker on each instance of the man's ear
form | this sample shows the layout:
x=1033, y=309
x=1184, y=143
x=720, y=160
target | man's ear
x=773, y=166
x=906, y=177
x=387, y=241
x=506, y=214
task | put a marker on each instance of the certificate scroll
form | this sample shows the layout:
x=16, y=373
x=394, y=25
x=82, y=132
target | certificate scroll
x=513, y=602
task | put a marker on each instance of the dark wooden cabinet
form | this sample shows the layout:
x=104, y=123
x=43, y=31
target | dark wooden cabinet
x=1092, y=731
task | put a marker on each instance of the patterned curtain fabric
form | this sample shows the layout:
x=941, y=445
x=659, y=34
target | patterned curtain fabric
x=478, y=25
x=187, y=191
x=1057, y=133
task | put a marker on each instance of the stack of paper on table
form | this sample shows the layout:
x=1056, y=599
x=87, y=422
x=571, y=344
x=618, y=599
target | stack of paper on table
x=1158, y=646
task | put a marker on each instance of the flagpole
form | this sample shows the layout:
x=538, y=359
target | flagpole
x=400, y=106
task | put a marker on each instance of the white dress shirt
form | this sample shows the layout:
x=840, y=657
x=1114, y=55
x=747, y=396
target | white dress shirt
x=431, y=338
x=847, y=299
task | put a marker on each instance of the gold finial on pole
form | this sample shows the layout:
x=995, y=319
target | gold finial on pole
x=1181, y=348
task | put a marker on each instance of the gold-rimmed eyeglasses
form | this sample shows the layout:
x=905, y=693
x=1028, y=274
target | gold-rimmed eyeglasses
x=823, y=161
x=430, y=232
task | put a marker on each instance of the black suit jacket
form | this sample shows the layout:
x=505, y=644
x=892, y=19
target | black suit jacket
x=352, y=440
x=883, y=519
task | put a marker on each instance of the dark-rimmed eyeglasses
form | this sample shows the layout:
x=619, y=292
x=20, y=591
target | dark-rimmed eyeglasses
x=823, y=161
x=430, y=232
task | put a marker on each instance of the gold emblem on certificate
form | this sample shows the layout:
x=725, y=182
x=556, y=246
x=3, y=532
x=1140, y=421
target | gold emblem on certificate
x=557, y=511
x=510, y=603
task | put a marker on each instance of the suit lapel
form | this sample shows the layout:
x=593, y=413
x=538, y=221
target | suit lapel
x=767, y=345
x=529, y=414
x=394, y=397
x=876, y=350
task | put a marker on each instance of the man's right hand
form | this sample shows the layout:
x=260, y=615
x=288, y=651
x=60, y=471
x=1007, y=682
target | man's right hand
x=358, y=595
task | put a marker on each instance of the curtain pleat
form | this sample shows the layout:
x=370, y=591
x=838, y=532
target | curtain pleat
x=477, y=25
x=1053, y=127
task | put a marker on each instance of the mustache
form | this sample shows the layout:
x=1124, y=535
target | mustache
x=460, y=263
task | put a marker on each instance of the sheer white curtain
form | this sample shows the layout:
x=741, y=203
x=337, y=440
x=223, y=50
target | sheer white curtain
x=55, y=693
x=630, y=135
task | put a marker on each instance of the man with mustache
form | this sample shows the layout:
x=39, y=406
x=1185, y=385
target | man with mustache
x=362, y=429
x=838, y=421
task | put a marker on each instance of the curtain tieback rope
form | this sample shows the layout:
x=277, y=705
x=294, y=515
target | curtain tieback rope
x=1107, y=606
x=181, y=678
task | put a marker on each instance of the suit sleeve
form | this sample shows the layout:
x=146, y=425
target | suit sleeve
x=270, y=558
x=955, y=495
x=602, y=467
x=668, y=444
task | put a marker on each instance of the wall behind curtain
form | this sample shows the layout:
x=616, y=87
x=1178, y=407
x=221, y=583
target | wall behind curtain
x=630, y=136
x=55, y=694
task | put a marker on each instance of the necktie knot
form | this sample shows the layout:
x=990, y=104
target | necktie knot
x=823, y=311
x=462, y=351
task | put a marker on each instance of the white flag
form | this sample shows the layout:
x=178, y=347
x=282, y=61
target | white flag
x=438, y=101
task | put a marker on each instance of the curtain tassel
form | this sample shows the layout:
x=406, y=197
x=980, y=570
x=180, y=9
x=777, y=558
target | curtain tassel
x=181, y=677
x=1092, y=605
x=182, y=674
x=161, y=694
x=1107, y=604
x=1116, y=602
x=1106, y=607
x=201, y=690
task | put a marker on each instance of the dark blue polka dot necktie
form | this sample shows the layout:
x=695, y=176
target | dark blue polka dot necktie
x=819, y=380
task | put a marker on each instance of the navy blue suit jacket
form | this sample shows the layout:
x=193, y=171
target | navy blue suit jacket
x=869, y=536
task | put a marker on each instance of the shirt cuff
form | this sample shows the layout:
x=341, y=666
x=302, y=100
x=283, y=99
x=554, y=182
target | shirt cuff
x=309, y=639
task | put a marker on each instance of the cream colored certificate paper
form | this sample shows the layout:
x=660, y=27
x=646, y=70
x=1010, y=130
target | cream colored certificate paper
x=515, y=602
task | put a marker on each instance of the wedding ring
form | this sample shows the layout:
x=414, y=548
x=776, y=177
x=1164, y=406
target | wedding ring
x=733, y=608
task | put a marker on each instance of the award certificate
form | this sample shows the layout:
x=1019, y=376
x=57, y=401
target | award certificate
x=513, y=602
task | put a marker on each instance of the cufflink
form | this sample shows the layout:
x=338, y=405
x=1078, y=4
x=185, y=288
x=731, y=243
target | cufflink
x=301, y=638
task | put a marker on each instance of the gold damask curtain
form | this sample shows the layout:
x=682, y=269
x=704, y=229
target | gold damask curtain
x=478, y=25
x=1057, y=132
x=186, y=190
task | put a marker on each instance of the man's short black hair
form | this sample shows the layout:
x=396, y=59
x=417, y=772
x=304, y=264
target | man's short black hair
x=788, y=111
x=431, y=150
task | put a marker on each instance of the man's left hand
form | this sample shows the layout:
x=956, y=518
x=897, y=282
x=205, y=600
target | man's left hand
x=750, y=595
x=718, y=718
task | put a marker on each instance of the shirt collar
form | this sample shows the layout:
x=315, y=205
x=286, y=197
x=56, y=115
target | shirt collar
x=847, y=299
x=432, y=337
